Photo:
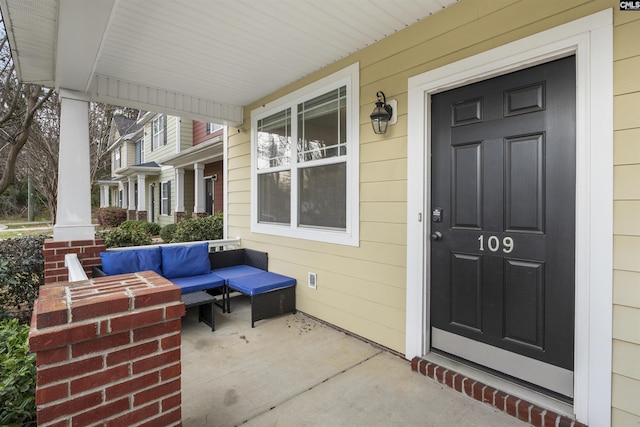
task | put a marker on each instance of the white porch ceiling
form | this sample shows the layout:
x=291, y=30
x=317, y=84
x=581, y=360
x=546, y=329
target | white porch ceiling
x=203, y=59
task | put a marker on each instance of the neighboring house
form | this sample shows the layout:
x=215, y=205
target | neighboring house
x=164, y=168
x=496, y=223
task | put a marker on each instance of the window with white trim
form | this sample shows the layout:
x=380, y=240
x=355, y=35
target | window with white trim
x=140, y=151
x=165, y=194
x=213, y=127
x=305, y=168
x=116, y=159
x=159, y=132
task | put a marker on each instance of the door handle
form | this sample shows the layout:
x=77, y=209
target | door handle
x=436, y=236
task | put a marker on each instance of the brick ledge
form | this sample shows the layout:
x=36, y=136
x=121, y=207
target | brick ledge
x=523, y=410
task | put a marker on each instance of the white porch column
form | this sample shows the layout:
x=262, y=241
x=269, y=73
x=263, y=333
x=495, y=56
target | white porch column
x=132, y=193
x=142, y=193
x=198, y=188
x=125, y=194
x=103, y=204
x=107, y=193
x=179, y=190
x=73, y=219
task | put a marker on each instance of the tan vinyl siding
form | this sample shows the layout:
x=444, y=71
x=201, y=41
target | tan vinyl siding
x=186, y=133
x=626, y=227
x=362, y=288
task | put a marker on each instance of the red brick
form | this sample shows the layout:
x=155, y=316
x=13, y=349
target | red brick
x=88, y=243
x=60, y=336
x=99, y=379
x=63, y=423
x=431, y=370
x=565, y=422
x=135, y=416
x=131, y=353
x=156, y=296
x=457, y=382
x=107, y=342
x=51, y=393
x=499, y=400
x=414, y=363
x=69, y=407
x=154, y=362
x=50, y=312
x=422, y=367
x=537, y=414
x=511, y=406
x=56, y=355
x=467, y=386
x=550, y=419
x=156, y=330
x=524, y=408
x=440, y=372
x=487, y=395
x=156, y=392
x=136, y=320
x=448, y=378
x=175, y=311
x=170, y=342
x=100, y=413
x=171, y=402
x=478, y=387
x=165, y=420
x=170, y=372
x=73, y=369
x=51, y=244
x=132, y=385
x=99, y=306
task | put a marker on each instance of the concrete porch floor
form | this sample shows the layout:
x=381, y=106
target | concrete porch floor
x=294, y=371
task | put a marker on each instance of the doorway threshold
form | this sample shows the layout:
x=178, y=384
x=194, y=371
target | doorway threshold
x=518, y=401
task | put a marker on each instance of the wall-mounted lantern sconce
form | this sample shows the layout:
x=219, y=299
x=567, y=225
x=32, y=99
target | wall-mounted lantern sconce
x=382, y=114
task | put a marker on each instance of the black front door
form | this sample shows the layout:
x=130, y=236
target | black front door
x=503, y=223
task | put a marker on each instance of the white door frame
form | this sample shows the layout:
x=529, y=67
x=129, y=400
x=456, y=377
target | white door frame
x=591, y=40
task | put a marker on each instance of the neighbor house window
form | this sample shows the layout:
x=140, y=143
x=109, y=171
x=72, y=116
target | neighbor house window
x=306, y=165
x=213, y=127
x=165, y=203
x=159, y=132
x=116, y=159
x=140, y=151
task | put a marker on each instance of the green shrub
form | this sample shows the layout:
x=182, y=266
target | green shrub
x=111, y=217
x=17, y=375
x=121, y=237
x=21, y=273
x=167, y=232
x=149, y=227
x=199, y=228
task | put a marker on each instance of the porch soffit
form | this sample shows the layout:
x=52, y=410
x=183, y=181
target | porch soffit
x=198, y=59
x=201, y=153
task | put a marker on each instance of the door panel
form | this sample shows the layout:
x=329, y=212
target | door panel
x=503, y=177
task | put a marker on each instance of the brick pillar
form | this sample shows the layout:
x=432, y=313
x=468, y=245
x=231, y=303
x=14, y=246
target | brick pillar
x=141, y=215
x=108, y=352
x=180, y=216
x=54, y=251
x=132, y=215
x=201, y=214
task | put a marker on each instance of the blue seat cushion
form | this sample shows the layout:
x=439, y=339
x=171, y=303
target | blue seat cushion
x=235, y=271
x=260, y=283
x=131, y=261
x=200, y=282
x=183, y=261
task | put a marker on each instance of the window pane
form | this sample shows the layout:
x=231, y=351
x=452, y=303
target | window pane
x=274, y=197
x=323, y=196
x=274, y=140
x=322, y=126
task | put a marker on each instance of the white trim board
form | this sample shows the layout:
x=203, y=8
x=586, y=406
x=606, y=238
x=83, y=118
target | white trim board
x=591, y=40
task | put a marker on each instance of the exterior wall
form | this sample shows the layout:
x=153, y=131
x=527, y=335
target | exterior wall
x=362, y=289
x=200, y=134
x=130, y=149
x=626, y=240
x=189, y=198
x=163, y=151
x=186, y=134
x=167, y=174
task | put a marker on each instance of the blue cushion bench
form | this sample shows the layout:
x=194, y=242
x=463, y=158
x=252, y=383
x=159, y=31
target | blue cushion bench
x=271, y=294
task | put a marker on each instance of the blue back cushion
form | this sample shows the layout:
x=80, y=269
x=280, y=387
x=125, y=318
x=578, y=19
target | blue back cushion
x=183, y=261
x=131, y=261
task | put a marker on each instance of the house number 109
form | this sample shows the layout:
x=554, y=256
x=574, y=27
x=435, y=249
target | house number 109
x=493, y=244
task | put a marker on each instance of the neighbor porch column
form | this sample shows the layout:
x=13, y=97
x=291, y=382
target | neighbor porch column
x=199, y=189
x=179, y=208
x=73, y=219
x=142, y=198
x=131, y=213
x=125, y=194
